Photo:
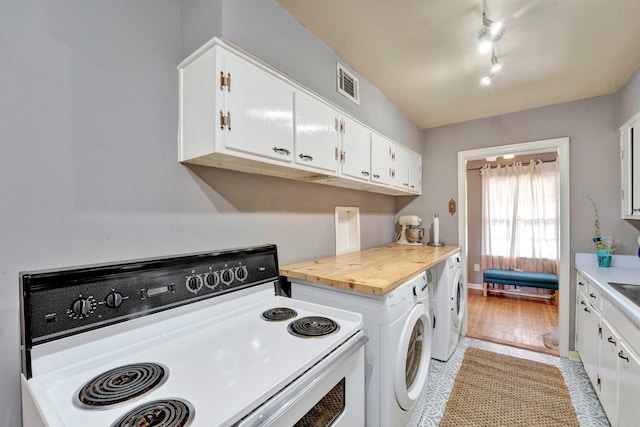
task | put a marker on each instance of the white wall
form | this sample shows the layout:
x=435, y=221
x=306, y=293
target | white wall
x=88, y=163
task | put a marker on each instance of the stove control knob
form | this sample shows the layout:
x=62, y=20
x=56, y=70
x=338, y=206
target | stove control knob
x=194, y=283
x=242, y=273
x=114, y=299
x=211, y=279
x=226, y=276
x=81, y=307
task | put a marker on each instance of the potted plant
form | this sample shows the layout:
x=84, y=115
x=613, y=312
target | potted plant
x=604, y=244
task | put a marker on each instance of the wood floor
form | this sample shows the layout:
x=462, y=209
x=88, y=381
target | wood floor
x=511, y=320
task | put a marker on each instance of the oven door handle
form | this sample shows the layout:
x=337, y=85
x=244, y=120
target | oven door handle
x=288, y=397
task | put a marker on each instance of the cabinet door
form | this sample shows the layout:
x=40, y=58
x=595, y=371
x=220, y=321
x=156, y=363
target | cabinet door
x=356, y=143
x=415, y=173
x=630, y=170
x=317, y=137
x=634, y=136
x=608, y=389
x=401, y=167
x=381, y=163
x=628, y=387
x=260, y=108
x=589, y=342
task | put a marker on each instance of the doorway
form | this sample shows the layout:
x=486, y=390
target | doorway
x=561, y=147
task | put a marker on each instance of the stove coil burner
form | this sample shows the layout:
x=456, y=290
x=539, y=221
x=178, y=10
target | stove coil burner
x=121, y=384
x=158, y=413
x=312, y=326
x=279, y=313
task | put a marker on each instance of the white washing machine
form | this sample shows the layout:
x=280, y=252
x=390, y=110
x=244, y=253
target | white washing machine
x=398, y=352
x=449, y=307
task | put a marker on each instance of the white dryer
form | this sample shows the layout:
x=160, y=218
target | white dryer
x=398, y=352
x=450, y=300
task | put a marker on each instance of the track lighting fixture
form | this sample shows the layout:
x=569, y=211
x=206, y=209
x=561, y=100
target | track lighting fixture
x=490, y=33
x=496, y=29
x=495, y=65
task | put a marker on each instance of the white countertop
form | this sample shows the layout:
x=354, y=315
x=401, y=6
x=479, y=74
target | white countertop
x=624, y=269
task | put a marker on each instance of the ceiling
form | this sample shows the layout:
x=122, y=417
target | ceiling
x=423, y=54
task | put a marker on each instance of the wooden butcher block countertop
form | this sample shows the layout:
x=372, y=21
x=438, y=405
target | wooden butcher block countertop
x=374, y=271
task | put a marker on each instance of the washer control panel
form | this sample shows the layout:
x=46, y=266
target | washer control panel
x=65, y=302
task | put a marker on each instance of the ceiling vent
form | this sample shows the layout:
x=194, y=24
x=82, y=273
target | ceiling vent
x=348, y=84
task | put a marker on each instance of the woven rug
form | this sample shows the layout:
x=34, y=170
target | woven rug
x=494, y=389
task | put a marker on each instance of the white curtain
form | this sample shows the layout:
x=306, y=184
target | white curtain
x=520, y=217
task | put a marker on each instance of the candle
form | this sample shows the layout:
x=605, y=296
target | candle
x=436, y=229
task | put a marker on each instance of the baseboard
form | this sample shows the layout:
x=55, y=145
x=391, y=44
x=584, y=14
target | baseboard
x=474, y=286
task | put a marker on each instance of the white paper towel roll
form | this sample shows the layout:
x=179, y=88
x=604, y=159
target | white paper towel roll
x=436, y=229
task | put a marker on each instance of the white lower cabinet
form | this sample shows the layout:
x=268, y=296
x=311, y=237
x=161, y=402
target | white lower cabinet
x=608, y=373
x=610, y=361
x=588, y=346
x=628, y=387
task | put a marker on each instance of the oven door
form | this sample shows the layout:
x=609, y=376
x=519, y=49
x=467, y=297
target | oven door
x=331, y=393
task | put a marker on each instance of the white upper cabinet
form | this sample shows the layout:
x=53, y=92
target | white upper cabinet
x=238, y=113
x=401, y=166
x=630, y=167
x=381, y=159
x=259, y=108
x=356, y=145
x=415, y=173
x=316, y=136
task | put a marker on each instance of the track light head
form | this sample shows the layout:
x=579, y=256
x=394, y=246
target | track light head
x=495, y=29
x=495, y=65
x=485, y=44
x=486, y=80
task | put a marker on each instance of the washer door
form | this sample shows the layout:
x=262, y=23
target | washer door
x=411, y=367
x=457, y=299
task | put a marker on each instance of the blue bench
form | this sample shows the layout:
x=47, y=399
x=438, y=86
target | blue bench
x=520, y=278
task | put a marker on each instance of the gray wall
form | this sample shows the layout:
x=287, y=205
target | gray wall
x=594, y=166
x=89, y=171
x=628, y=99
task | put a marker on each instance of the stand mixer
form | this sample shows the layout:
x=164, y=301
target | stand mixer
x=410, y=234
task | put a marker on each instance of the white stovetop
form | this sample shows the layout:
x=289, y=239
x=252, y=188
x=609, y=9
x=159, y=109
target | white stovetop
x=225, y=364
x=624, y=269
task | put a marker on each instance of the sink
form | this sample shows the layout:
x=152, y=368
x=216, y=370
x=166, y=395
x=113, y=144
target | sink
x=628, y=290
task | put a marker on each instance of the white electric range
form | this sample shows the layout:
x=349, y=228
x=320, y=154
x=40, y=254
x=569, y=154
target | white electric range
x=194, y=340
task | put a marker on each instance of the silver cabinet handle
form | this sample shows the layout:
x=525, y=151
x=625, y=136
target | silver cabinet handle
x=587, y=310
x=592, y=295
x=612, y=341
x=580, y=284
x=283, y=151
x=376, y=176
x=365, y=173
x=306, y=157
x=622, y=356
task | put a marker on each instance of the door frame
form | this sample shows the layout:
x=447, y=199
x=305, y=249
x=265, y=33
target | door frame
x=561, y=146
